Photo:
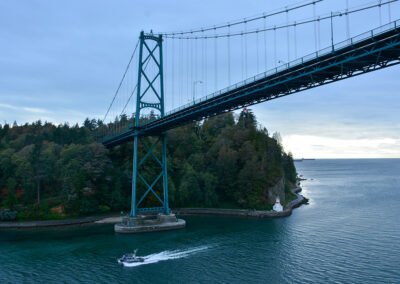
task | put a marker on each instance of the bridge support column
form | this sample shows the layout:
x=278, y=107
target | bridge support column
x=165, y=173
x=134, y=175
x=149, y=183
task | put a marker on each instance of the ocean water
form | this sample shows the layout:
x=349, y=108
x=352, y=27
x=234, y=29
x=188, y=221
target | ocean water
x=349, y=233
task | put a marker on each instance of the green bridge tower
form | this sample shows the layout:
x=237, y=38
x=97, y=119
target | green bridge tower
x=150, y=94
x=150, y=175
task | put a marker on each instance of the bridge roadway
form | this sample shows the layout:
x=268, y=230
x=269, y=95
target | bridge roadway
x=370, y=51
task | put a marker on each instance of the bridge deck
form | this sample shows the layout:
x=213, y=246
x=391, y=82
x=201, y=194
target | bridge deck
x=373, y=50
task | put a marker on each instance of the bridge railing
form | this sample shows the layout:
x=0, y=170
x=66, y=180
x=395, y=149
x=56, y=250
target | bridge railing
x=296, y=62
x=123, y=125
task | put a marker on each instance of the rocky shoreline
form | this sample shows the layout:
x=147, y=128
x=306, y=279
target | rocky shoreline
x=112, y=219
x=47, y=223
x=246, y=212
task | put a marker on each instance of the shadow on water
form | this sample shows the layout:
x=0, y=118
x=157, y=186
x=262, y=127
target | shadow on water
x=199, y=229
x=54, y=233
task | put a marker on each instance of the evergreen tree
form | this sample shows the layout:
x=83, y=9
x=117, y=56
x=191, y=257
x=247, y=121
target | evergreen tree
x=218, y=162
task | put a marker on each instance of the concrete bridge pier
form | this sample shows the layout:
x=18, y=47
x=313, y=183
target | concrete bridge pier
x=149, y=223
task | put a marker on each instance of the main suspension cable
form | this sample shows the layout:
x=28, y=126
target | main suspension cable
x=298, y=23
x=245, y=20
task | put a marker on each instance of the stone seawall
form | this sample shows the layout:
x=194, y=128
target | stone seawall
x=245, y=212
x=231, y=212
x=112, y=219
x=47, y=223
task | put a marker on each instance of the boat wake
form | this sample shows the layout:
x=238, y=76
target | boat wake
x=166, y=255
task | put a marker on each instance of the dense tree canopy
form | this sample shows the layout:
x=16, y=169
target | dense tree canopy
x=48, y=171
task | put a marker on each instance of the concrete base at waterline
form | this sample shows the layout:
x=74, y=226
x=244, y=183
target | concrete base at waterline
x=149, y=223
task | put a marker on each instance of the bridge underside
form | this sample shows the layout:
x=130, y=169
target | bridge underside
x=366, y=53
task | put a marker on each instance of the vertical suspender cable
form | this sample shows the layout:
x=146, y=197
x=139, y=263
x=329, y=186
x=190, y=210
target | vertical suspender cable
x=119, y=105
x=315, y=27
x=295, y=40
x=173, y=73
x=136, y=77
x=137, y=82
x=258, y=58
x=229, y=55
x=115, y=112
x=133, y=80
x=215, y=63
x=319, y=33
x=187, y=72
x=347, y=20
x=166, y=66
x=129, y=90
x=203, y=54
x=275, y=55
x=127, y=105
x=245, y=49
x=132, y=76
x=180, y=62
x=191, y=67
x=265, y=44
x=206, y=66
x=129, y=83
x=195, y=75
x=380, y=13
x=124, y=94
x=242, y=54
x=122, y=98
x=287, y=35
x=130, y=87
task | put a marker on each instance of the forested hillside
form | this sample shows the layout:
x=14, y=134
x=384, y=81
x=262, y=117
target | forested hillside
x=49, y=171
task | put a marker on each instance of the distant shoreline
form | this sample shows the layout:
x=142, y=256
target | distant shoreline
x=303, y=159
x=114, y=218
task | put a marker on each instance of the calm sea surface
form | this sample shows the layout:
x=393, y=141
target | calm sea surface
x=349, y=233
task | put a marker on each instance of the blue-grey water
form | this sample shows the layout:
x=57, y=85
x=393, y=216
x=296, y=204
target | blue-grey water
x=349, y=233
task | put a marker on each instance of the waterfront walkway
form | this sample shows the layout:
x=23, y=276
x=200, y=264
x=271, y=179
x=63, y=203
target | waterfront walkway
x=114, y=218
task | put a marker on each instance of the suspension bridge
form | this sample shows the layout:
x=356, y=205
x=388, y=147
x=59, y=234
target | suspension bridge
x=173, y=78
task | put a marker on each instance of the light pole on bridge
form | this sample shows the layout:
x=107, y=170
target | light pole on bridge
x=333, y=15
x=194, y=88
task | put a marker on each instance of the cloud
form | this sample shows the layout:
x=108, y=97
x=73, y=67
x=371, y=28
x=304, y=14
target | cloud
x=23, y=114
x=22, y=108
x=310, y=146
x=34, y=110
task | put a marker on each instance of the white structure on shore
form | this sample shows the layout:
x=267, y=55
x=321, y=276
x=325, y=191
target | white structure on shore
x=277, y=206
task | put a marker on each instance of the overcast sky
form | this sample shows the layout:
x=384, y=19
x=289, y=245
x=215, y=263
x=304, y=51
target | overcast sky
x=61, y=61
